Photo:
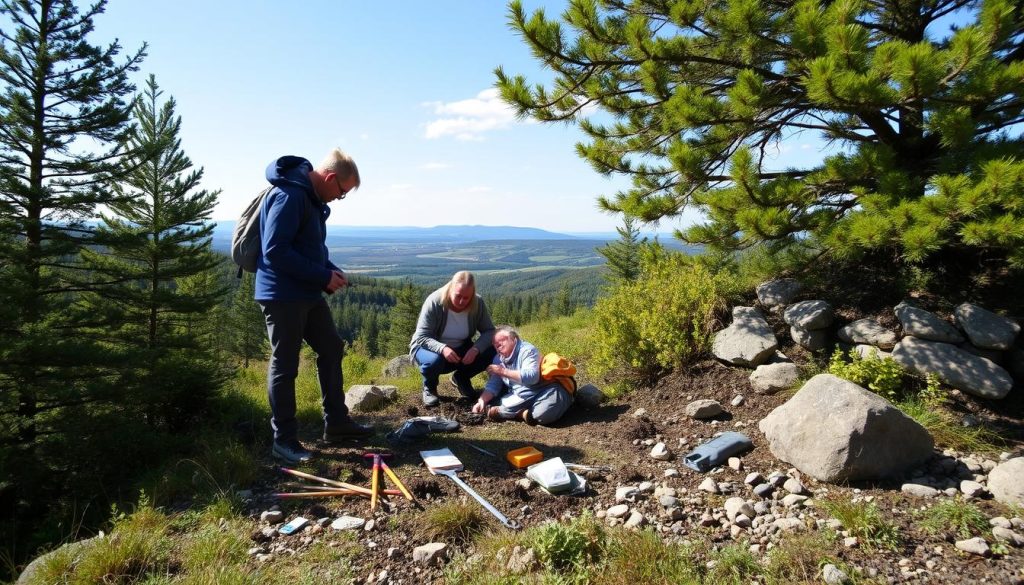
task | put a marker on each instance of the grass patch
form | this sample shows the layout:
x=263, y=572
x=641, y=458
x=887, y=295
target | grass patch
x=643, y=557
x=798, y=558
x=733, y=564
x=956, y=517
x=947, y=430
x=569, y=549
x=455, y=521
x=865, y=522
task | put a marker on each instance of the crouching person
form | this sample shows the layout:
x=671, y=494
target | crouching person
x=516, y=384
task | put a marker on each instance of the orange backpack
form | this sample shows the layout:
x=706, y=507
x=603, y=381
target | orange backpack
x=556, y=368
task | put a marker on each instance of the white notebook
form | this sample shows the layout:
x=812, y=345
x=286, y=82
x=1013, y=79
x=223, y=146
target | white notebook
x=441, y=459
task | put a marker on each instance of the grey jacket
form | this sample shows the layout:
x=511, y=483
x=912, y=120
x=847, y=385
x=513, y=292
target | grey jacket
x=434, y=316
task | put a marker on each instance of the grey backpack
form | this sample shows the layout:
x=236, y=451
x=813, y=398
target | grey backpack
x=246, y=241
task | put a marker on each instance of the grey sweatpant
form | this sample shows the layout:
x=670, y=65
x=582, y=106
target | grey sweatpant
x=545, y=407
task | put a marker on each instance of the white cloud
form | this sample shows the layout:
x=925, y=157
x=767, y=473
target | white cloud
x=400, y=186
x=478, y=189
x=469, y=119
x=434, y=166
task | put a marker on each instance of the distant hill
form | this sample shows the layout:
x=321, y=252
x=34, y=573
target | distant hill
x=441, y=233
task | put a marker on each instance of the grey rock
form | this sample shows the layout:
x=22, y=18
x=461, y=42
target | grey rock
x=778, y=292
x=430, y=553
x=736, y=506
x=764, y=490
x=753, y=478
x=1008, y=536
x=867, y=352
x=397, y=367
x=835, y=431
x=660, y=452
x=348, y=523
x=794, y=500
x=986, y=329
x=972, y=489
x=75, y=550
x=636, y=520
x=925, y=324
x=710, y=486
x=1006, y=482
x=921, y=491
x=974, y=546
x=832, y=575
x=959, y=369
x=868, y=331
x=809, y=315
x=793, y=486
x=618, y=511
x=668, y=502
x=701, y=409
x=589, y=396
x=367, y=398
x=521, y=561
x=626, y=493
x=771, y=378
x=748, y=341
x=789, y=524
x=272, y=516
x=814, y=340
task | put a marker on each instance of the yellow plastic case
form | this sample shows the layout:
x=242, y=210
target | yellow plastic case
x=524, y=457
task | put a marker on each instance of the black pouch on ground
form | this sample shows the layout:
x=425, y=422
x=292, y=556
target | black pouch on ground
x=415, y=429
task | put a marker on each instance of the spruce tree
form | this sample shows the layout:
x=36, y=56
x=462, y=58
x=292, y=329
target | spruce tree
x=623, y=255
x=155, y=255
x=692, y=99
x=64, y=114
x=402, y=318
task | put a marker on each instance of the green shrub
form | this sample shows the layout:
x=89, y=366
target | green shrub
x=884, y=377
x=663, y=320
x=569, y=549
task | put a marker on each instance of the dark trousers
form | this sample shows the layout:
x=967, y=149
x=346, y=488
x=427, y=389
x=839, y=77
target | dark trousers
x=288, y=324
x=433, y=365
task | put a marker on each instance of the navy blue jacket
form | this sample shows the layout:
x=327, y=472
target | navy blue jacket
x=294, y=265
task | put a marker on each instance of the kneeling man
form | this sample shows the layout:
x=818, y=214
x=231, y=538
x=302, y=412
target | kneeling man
x=515, y=381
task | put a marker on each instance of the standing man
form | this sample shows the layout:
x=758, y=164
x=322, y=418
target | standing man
x=292, y=274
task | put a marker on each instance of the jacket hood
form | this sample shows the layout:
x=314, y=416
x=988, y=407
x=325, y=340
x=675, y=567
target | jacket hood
x=290, y=170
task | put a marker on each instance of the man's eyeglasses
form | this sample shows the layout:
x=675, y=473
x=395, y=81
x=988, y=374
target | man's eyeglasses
x=341, y=190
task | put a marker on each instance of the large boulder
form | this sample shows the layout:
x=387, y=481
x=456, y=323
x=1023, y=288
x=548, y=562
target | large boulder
x=809, y=315
x=836, y=431
x=868, y=331
x=814, y=339
x=748, y=341
x=1006, y=482
x=771, y=378
x=589, y=396
x=779, y=292
x=925, y=324
x=367, y=398
x=985, y=329
x=397, y=367
x=72, y=551
x=954, y=366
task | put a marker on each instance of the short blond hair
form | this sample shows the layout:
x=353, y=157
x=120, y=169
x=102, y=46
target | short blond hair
x=463, y=277
x=341, y=164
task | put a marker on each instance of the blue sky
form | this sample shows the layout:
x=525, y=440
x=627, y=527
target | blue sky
x=405, y=87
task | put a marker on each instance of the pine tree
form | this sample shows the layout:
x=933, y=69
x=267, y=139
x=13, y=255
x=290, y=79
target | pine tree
x=64, y=114
x=694, y=98
x=154, y=245
x=60, y=96
x=623, y=255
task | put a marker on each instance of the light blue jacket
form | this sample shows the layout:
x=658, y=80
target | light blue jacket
x=525, y=359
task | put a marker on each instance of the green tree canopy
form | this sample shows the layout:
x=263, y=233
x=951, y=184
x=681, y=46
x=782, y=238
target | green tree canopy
x=693, y=97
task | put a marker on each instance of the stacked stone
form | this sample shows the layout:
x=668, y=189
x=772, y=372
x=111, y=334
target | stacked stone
x=808, y=322
x=968, y=358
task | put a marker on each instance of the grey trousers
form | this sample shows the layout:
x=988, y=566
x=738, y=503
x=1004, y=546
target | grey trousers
x=288, y=324
x=545, y=407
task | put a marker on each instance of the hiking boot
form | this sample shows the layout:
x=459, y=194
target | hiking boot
x=430, y=398
x=465, y=387
x=349, y=429
x=291, y=452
